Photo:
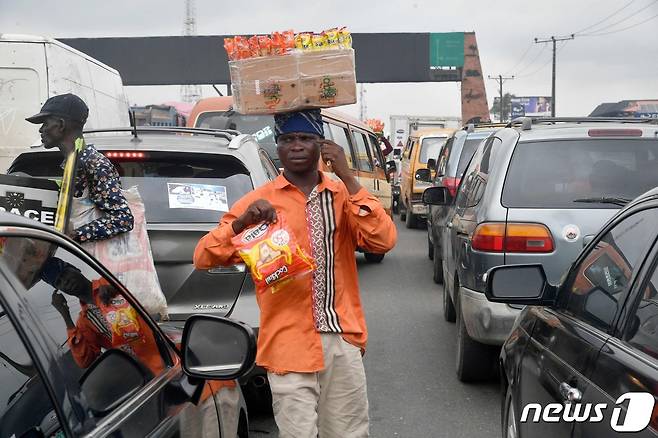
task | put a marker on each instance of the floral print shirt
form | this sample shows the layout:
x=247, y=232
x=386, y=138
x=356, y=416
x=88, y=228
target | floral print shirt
x=100, y=178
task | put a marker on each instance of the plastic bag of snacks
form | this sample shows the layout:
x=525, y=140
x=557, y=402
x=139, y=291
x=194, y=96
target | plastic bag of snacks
x=272, y=254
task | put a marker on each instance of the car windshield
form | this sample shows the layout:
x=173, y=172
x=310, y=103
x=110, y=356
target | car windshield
x=260, y=126
x=175, y=187
x=430, y=148
x=580, y=173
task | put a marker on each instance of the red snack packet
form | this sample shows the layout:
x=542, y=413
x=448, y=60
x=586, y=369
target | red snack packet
x=231, y=49
x=254, y=48
x=242, y=47
x=272, y=254
x=278, y=44
x=264, y=45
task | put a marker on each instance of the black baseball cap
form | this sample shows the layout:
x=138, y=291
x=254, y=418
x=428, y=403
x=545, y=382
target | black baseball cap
x=67, y=106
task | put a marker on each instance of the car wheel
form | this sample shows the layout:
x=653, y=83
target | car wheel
x=410, y=220
x=437, y=266
x=373, y=258
x=508, y=417
x=403, y=213
x=430, y=248
x=473, y=358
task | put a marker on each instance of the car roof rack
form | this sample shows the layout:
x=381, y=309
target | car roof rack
x=470, y=127
x=527, y=122
x=227, y=134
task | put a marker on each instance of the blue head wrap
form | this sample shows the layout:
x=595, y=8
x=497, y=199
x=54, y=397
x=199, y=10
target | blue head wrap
x=307, y=121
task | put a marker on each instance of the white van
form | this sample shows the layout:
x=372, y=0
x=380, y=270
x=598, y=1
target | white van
x=34, y=68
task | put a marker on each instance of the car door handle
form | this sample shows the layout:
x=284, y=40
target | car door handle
x=569, y=393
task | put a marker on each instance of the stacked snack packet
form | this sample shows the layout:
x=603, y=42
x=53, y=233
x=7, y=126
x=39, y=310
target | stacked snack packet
x=282, y=43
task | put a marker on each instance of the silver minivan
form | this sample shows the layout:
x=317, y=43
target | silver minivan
x=534, y=192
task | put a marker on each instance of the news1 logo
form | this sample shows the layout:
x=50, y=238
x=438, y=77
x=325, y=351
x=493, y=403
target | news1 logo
x=638, y=412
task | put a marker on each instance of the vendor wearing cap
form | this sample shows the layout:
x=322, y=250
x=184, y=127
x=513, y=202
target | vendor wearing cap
x=312, y=332
x=62, y=120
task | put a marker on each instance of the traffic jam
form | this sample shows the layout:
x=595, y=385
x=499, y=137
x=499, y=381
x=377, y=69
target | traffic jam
x=281, y=248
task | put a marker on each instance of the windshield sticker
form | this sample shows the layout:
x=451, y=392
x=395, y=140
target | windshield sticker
x=197, y=196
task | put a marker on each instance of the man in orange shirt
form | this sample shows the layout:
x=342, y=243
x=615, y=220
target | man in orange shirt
x=312, y=331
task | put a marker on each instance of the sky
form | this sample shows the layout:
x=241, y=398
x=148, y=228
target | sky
x=613, y=57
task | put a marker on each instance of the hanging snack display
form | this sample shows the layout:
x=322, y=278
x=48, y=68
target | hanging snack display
x=286, y=72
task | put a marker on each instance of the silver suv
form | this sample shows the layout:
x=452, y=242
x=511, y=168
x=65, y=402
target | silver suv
x=534, y=192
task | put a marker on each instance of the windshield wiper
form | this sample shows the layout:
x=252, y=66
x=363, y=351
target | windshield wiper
x=616, y=200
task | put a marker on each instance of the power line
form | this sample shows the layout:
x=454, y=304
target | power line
x=543, y=66
x=607, y=17
x=622, y=29
x=609, y=26
x=543, y=48
x=530, y=46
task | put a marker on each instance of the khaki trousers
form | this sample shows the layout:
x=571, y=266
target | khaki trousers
x=332, y=403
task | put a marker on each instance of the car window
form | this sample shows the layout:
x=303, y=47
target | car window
x=430, y=148
x=175, y=187
x=340, y=137
x=83, y=312
x=476, y=176
x=25, y=405
x=409, y=149
x=444, y=155
x=376, y=151
x=469, y=148
x=260, y=126
x=362, y=154
x=642, y=329
x=579, y=169
x=602, y=280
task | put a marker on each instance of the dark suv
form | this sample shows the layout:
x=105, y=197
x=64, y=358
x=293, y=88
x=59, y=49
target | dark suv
x=534, y=192
x=591, y=341
x=452, y=161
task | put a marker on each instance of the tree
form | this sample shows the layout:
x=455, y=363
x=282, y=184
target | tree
x=507, y=106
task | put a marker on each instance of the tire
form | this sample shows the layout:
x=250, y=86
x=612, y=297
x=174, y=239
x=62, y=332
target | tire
x=411, y=220
x=474, y=360
x=373, y=258
x=437, y=266
x=403, y=214
x=430, y=248
x=509, y=425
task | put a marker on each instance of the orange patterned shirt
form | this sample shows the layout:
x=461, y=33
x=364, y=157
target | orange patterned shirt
x=329, y=225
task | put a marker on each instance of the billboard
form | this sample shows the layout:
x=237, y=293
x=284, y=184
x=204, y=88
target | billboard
x=530, y=106
x=647, y=108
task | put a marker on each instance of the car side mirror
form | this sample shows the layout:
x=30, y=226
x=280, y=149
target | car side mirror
x=111, y=380
x=519, y=284
x=431, y=163
x=390, y=166
x=424, y=175
x=217, y=348
x=436, y=196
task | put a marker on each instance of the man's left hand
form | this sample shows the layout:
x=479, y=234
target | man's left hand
x=335, y=156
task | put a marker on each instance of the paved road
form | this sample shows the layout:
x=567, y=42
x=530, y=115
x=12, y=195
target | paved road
x=410, y=363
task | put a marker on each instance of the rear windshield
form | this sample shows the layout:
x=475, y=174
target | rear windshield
x=175, y=187
x=261, y=127
x=430, y=148
x=554, y=174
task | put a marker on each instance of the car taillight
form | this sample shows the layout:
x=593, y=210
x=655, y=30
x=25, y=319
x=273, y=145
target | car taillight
x=512, y=237
x=125, y=155
x=451, y=184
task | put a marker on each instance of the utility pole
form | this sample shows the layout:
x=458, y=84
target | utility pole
x=500, y=79
x=554, y=40
x=190, y=92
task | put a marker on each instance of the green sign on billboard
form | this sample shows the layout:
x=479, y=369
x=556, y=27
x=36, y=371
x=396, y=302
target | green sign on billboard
x=447, y=49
